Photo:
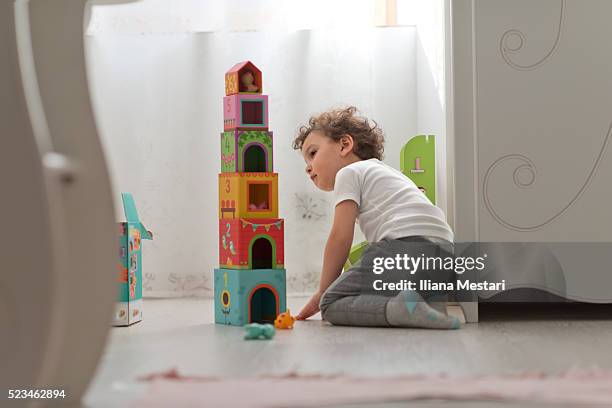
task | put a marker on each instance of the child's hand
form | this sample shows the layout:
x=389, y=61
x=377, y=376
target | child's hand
x=311, y=308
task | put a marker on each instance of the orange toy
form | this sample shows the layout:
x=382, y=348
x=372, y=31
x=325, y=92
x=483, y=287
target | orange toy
x=284, y=320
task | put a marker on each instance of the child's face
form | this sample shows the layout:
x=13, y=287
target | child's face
x=324, y=158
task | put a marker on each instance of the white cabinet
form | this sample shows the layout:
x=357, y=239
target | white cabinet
x=532, y=117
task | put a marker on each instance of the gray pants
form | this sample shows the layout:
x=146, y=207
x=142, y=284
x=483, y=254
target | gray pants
x=346, y=303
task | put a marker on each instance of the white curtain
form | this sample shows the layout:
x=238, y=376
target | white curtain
x=158, y=101
x=173, y=16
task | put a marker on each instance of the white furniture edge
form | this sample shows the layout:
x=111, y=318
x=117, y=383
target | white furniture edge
x=462, y=137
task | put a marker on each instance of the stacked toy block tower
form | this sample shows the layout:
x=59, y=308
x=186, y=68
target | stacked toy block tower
x=250, y=284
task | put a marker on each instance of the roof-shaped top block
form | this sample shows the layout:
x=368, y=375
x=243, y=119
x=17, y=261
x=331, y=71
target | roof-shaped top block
x=131, y=215
x=243, y=77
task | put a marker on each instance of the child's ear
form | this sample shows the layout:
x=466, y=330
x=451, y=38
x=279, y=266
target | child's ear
x=346, y=144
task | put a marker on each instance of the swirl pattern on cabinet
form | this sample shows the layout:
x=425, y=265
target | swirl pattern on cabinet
x=524, y=176
x=513, y=41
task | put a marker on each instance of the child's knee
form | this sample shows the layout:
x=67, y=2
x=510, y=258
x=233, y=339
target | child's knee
x=325, y=312
x=324, y=303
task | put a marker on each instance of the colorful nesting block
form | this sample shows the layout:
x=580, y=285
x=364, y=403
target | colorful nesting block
x=246, y=151
x=245, y=296
x=245, y=111
x=251, y=243
x=248, y=195
x=243, y=77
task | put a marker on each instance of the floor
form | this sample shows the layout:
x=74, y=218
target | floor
x=510, y=338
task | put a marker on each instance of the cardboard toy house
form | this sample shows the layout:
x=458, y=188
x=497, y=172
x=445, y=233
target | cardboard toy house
x=128, y=309
x=250, y=284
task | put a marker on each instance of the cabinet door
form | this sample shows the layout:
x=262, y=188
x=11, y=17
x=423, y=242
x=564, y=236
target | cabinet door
x=532, y=126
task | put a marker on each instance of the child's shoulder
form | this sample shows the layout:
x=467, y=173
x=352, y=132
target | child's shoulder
x=376, y=171
x=374, y=167
x=371, y=168
x=363, y=165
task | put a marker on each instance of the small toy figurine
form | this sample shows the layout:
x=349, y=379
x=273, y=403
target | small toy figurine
x=284, y=320
x=261, y=206
x=248, y=81
x=256, y=331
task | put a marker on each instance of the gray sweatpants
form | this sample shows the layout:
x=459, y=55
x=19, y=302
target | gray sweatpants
x=346, y=303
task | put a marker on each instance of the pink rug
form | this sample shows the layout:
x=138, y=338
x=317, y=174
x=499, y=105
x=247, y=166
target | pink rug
x=593, y=386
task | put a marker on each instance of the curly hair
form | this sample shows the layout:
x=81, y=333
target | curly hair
x=368, y=138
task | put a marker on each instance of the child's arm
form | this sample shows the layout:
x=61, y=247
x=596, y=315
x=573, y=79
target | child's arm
x=338, y=243
x=336, y=252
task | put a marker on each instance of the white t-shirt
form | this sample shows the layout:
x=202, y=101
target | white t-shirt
x=390, y=204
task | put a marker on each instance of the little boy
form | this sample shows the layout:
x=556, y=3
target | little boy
x=343, y=153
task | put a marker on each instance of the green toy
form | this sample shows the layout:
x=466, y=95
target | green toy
x=418, y=162
x=257, y=331
x=355, y=254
